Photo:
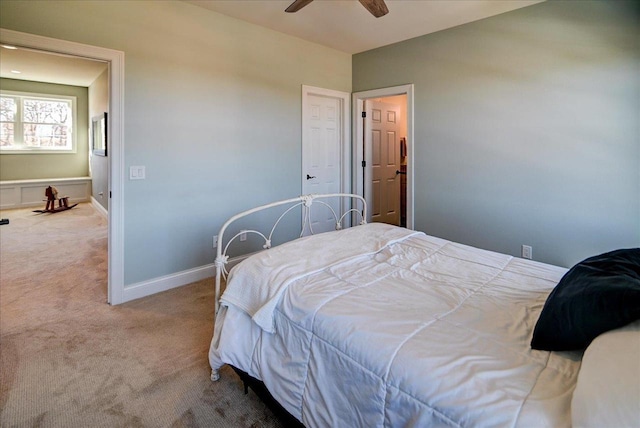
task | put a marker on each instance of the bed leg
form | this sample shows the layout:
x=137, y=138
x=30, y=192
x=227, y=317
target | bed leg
x=215, y=375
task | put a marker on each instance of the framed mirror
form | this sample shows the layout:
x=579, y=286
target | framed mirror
x=99, y=134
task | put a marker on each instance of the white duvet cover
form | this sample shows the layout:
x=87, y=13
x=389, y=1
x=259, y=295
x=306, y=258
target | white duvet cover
x=394, y=328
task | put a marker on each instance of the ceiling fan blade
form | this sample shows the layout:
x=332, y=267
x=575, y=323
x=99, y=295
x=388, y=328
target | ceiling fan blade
x=377, y=7
x=297, y=5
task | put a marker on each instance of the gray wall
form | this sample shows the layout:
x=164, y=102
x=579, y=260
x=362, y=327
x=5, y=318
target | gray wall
x=527, y=128
x=212, y=109
x=57, y=165
x=98, y=104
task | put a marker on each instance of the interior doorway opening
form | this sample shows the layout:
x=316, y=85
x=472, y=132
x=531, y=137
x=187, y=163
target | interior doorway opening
x=115, y=61
x=385, y=134
x=383, y=153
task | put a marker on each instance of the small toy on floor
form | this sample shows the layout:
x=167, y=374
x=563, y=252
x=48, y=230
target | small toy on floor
x=4, y=221
x=52, y=195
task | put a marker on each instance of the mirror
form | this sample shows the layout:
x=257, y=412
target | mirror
x=99, y=134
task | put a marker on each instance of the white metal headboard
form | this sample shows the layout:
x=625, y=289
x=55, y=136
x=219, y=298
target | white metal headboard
x=305, y=201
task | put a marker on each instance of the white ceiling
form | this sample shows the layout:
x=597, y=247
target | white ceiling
x=49, y=67
x=347, y=26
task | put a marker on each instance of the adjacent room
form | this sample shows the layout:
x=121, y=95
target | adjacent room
x=50, y=102
x=515, y=131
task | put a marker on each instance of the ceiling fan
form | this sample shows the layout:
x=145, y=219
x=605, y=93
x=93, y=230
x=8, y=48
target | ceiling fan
x=376, y=7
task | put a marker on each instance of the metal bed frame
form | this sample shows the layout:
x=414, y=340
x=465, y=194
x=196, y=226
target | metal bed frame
x=351, y=213
x=349, y=217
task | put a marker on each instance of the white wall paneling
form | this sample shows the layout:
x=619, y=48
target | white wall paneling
x=30, y=193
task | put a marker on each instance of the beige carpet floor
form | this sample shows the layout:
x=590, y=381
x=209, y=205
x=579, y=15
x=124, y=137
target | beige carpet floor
x=68, y=359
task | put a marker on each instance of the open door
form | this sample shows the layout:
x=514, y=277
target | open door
x=402, y=147
x=383, y=133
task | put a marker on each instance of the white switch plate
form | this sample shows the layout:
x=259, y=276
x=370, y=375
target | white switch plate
x=136, y=173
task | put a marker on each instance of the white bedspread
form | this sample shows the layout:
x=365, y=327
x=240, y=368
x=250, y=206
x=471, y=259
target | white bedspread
x=409, y=331
x=257, y=287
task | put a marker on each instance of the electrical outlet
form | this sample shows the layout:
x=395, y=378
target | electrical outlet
x=527, y=252
x=215, y=241
x=243, y=235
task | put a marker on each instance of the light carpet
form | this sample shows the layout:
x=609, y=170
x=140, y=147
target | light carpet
x=68, y=359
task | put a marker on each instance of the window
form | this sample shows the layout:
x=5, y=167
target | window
x=34, y=123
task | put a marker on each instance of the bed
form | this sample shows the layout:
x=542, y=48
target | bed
x=380, y=326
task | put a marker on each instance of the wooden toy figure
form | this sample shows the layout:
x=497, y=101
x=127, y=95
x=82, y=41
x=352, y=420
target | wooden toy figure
x=52, y=195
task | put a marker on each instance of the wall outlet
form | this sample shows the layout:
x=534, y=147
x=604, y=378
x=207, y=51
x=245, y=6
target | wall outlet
x=243, y=235
x=527, y=252
x=215, y=241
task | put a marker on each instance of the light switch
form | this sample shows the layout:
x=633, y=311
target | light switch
x=136, y=173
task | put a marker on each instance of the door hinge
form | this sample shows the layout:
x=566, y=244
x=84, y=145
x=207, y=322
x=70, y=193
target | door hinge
x=364, y=164
x=364, y=114
x=109, y=194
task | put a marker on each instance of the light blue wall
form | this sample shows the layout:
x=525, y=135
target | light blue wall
x=526, y=123
x=527, y=128
x=212, y=109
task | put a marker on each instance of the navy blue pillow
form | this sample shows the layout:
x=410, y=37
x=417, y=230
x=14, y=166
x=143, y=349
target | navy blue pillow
x=598, y=294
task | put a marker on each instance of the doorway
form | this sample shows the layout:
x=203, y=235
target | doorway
x=115, y=61
x=383, y=153
x=385, y=170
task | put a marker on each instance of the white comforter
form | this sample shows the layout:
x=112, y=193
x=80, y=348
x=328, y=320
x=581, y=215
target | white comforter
x=395, y=328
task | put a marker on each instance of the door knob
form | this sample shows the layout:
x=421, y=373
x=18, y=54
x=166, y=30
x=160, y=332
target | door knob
x=309, y=177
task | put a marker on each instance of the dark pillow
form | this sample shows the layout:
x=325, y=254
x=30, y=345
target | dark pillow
x=598, y=294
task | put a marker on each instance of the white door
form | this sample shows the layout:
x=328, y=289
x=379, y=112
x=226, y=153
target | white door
x=362, y=152
x=383, y=131
x=324, y=144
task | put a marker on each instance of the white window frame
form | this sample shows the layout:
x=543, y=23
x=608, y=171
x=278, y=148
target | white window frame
x=18, y=129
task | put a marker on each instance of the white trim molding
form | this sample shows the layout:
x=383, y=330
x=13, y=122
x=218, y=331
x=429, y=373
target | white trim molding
x=168, y=282
x=115, y=60
x=98, y=206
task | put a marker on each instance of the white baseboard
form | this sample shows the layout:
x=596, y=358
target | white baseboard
x=98, y=206
x=167, y=282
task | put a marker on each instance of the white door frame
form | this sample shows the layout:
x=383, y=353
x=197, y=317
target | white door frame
x=345, y=182
x=115, y=60
x=358, y=134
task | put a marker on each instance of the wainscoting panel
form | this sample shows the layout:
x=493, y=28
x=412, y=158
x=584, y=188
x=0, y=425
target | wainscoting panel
x=30, y=193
